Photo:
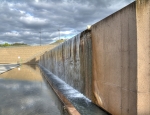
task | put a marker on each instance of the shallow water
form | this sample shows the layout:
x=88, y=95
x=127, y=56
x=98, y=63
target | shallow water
x=24, y=92
x=80, y=102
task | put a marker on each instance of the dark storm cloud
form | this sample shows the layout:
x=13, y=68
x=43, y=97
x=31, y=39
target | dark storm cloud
x=22, y=20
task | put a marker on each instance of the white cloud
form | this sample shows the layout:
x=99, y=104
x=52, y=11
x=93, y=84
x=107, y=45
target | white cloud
x=11, y=34
x=21, y=20
x=33, y=20
x=22, y=12
x=36, y=0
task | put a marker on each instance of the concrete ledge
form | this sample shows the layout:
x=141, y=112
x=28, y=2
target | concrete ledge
x=79, y=101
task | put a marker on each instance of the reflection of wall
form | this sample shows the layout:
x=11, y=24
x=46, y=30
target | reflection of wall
x=29, y=73
x=26, y=53
x=114, y=57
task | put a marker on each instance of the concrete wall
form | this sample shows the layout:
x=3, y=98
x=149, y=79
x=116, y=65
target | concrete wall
x=110, y=63
x=114, y=51
x=72, y=62
x=143, y=57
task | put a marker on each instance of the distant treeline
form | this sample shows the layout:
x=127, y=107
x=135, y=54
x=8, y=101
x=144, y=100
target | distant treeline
x=14, y=44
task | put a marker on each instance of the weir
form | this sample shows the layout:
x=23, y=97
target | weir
x=109, y=63
x=29, y=90
x=78, y=100
x=71, y=61
x=103, y=70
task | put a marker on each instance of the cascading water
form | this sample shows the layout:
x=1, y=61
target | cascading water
x=71, y=61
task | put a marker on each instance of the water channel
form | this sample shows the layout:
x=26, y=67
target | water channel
x=25, y=91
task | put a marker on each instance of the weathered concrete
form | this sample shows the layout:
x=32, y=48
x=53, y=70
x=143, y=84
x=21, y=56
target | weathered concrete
x=110, y=63
x=114, y=52
x=143, y=57
x=72, y=61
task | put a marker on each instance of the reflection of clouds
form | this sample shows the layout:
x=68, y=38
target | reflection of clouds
x=16, y=84
x=29, y=101
x=27, y=87
x=15, y=87
x=26, y=98
x=6, y=67
x=10, y=86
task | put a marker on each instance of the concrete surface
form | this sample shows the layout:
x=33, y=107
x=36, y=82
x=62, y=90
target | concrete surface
x=143, y=57
x=110, y=63
x=7, y=67
x=114, y=52
x=71, y=61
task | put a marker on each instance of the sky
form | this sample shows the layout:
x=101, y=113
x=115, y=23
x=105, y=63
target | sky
x=28, y=21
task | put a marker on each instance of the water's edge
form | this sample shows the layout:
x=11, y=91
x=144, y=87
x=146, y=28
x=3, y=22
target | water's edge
x=78, y=100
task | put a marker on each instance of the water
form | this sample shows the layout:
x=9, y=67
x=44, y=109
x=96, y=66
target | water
x=6, y=67
x=80, y=102
x=24, y=92
x=72, y=62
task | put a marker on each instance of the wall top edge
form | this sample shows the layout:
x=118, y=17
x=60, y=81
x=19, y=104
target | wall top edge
x=131, y=5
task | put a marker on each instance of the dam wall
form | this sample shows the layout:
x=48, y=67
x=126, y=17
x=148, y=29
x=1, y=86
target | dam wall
x=110, y=62
x=143, y=56
x=114, y=51
x=72, y=62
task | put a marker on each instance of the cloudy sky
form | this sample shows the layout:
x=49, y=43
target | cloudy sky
x=26, y=20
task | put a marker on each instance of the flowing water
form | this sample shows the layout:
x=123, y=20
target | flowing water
x=24, y=92
x=80, y=102
x=71, y=61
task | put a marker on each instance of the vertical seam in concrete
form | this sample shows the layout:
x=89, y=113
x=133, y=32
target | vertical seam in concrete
x=149, y=60
x=128, y=66
x=121, y=64
x=104, y=53
x=103, y=62
x=91, y=58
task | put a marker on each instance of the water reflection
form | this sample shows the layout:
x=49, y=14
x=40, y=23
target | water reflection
x=25, y=93
x=24, y=72
x=6, y=67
